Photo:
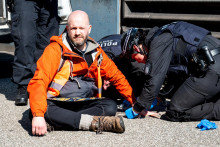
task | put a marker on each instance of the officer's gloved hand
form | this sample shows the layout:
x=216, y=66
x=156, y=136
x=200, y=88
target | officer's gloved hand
x=130, y=113
x=145, y=112
x=154, y=103
x=206, y=125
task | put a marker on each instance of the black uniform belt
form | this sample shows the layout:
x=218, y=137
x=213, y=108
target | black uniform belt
x=203, y=58
x=215, y=51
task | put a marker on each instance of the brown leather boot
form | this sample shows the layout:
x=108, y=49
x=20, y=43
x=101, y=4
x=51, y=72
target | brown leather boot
x=108, y=124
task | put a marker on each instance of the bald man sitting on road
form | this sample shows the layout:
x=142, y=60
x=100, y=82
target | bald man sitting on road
x=63, y=91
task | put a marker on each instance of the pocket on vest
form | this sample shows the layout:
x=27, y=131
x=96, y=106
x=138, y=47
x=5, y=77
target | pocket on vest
x=78, y=87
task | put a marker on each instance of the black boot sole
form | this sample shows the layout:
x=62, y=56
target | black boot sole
x=21, y=102
x=122, y=124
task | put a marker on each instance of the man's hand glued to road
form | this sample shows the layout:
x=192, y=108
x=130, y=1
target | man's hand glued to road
x=39, y=126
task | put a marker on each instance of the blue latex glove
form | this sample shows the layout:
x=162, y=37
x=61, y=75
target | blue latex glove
x=127, y=104
x=206, y=125
x=130, y=113
x=154, y=103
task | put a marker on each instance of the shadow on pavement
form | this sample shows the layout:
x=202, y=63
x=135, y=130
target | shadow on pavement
x=6, y=62
x=8, y=88
x=26, y=122
x=6, y=59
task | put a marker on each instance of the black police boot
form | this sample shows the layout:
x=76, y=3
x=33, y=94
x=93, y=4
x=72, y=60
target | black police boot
x=177, y=116
x=22, y=96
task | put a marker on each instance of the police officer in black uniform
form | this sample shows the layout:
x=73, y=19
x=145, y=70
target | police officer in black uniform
x=178, y=47
x=33, y=23
x=132, y=70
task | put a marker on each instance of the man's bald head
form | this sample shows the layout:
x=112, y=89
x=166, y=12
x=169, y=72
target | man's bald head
x=78, y=28
x=78, y=14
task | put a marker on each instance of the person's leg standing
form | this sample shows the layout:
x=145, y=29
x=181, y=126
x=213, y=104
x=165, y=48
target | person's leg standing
x=24, y=19
x=48, y=26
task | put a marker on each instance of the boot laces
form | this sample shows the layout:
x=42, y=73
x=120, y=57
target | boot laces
x=101, y=127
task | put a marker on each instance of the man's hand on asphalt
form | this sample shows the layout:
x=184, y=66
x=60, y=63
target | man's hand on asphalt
x=39, y=126
x=144, y=113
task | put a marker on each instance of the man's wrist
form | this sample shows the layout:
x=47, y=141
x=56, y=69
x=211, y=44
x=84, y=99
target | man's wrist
x=38, y=114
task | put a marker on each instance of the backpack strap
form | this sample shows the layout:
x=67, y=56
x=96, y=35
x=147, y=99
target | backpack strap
x=61, y=60
x=99, y=76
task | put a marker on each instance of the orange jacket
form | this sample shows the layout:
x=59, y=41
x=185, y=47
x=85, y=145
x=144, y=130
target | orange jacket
x=49, y=63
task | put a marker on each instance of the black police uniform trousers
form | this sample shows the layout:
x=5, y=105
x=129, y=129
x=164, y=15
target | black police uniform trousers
x=33, y=23
x=199, y=98
x=68, y=114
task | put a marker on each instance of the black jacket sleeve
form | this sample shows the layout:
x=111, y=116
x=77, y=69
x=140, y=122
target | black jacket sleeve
x=160, y=55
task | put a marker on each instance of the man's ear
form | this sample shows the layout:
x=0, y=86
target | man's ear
x=90, y=28
x=67, y=27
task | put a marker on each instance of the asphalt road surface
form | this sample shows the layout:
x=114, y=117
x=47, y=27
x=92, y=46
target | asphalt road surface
x=15, y=127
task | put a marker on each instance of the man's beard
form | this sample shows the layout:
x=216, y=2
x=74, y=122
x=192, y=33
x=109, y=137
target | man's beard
x=78, y=44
